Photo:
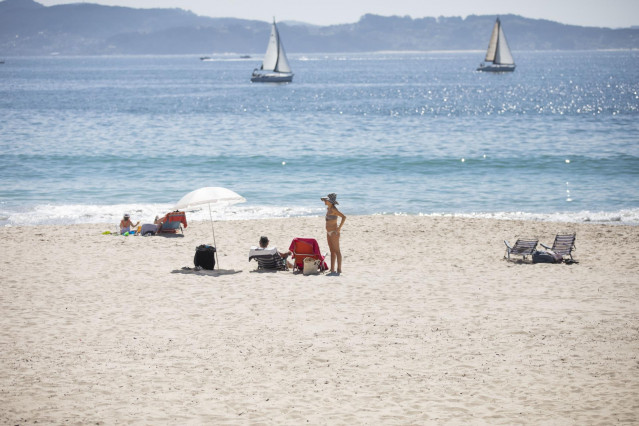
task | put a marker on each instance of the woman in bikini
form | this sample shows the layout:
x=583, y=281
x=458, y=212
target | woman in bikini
x=333, y=230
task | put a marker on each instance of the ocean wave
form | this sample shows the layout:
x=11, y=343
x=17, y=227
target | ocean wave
x=72, y=214
x=49, y=214
x=621, y=217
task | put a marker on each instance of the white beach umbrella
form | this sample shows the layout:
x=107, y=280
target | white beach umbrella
x=210, y=195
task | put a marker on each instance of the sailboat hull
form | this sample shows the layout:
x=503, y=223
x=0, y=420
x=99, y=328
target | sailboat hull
x=272, y=77
x=496, y=68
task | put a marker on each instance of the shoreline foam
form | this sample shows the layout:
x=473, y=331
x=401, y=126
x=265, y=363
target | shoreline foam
x=74, y=214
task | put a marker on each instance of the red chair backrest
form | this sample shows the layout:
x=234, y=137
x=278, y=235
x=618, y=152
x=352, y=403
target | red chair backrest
x=170, y=223
x=175, y=216
x=303, y=248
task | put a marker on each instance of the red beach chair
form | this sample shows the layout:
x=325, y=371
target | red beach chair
x=172, y=222
x=301, y=248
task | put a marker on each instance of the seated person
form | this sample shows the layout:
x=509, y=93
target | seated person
x=264, y=247
x=170, y=222
x=126, y=224
x=264, y=244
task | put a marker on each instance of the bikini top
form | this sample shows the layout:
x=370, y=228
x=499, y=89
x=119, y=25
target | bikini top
x=331, y=216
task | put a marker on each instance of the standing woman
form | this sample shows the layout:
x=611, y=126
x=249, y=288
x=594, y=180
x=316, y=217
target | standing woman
x=333, y=230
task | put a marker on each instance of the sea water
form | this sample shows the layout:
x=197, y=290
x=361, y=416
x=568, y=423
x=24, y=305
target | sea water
x=85, y=139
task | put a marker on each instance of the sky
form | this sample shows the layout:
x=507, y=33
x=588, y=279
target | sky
x=592, y=13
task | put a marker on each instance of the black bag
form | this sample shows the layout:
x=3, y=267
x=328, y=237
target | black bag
x=204, y=257
x=546, y=257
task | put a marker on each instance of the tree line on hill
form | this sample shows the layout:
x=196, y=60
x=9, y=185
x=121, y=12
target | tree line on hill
x=30, y=28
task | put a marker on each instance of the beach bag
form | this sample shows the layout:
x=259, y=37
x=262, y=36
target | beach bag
x=546, y=257
x=204, y=257
x=311, y=266
x=148, y=229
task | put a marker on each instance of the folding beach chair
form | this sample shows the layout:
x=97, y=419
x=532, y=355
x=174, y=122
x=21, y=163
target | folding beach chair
x=522, y=247
x=301, y=248
x=172, y=222
x=563, y=245
x=268, y=259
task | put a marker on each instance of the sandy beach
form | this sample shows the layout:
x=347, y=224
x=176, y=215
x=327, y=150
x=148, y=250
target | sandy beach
x=428, y=324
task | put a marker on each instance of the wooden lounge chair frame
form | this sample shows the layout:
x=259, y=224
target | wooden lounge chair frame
x=563, y=245
x=522, y=247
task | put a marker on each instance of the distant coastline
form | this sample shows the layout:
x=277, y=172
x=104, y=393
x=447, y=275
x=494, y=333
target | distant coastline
x=238, y=56
x=28, y=28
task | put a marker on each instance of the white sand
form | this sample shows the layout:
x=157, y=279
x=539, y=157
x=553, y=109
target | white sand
x=427, y=324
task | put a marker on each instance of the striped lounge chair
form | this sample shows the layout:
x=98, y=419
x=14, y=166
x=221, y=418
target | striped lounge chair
x=563, y=245
x=268, y=259
x=522, y=247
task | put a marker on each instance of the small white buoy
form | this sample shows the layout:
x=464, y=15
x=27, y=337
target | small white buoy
x=463, y=160
x=484, y=155
x=567, y=161
x=283, y=163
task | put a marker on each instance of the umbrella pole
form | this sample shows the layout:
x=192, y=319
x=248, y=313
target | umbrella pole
x=214, y=243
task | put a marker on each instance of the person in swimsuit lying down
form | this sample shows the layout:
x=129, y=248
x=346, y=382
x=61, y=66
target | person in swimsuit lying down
x=333, y=230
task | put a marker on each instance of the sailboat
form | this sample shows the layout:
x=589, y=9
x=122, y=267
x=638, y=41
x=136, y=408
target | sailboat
x=275, y=67
x=498, y=52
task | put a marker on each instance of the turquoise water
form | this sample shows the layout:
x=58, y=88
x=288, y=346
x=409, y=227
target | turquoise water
x=85, y=139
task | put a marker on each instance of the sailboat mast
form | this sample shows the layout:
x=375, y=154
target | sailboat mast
x=279, y=46
x=496, y=58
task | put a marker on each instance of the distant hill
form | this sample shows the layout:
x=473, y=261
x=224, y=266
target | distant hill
x=29, y=28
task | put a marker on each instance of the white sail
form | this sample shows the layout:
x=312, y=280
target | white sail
x=503, y=55
x=492, y=44
x=498, y=51
x=282, y=60
x=270, y=58
x=275, y=57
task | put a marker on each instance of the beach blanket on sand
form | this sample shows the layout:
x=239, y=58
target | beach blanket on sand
x=200, y=271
